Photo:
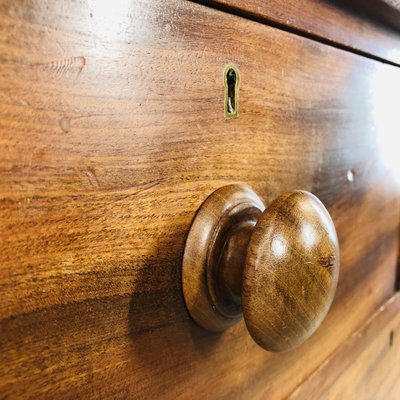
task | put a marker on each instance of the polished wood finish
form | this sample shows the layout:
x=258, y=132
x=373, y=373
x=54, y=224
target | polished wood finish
x=387, y=11
x=337, y=22
x=366, y=366
x=214, y=255
x=291, y=271
x=279, y=264
x=113, y=132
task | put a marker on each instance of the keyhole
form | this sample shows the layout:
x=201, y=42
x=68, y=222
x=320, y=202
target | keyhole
x=231, y=81
x=231, y=92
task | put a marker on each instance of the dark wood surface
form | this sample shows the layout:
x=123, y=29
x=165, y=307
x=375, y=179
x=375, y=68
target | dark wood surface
x=337, y=21
x=112, y=132
x=386, y=11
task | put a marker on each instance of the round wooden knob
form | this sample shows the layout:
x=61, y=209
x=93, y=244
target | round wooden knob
x=278, y=267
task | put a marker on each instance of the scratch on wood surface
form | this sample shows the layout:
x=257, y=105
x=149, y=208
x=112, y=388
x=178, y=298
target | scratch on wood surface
x=65, y=124
x=65, y=121
x=136, y=192
x=70, y=66
x=119, y=196
x=91, y=176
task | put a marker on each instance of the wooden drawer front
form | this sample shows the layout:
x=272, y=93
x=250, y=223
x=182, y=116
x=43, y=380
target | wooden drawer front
x=366, y=366
x=342, y=23
x=112, y=134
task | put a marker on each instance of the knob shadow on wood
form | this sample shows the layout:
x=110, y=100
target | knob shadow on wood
x=278, y=267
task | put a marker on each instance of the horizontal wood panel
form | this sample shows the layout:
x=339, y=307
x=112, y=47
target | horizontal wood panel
x=386, y=11
x=112, y=133
x=338, y=22
x=366, y=366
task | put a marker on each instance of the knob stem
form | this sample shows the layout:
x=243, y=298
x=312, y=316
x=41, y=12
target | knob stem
x=233, y=256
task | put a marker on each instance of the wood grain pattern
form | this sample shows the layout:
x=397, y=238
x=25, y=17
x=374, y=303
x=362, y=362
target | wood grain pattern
x=112, y=132
x=366, y=367
x=212, y=270
x=291, y=271
x=387, y=11
x=334, y=21
x=277, y=267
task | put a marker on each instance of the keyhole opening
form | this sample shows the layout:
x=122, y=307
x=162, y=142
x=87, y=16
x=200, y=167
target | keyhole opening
x=231, y=78
x=231, y=81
